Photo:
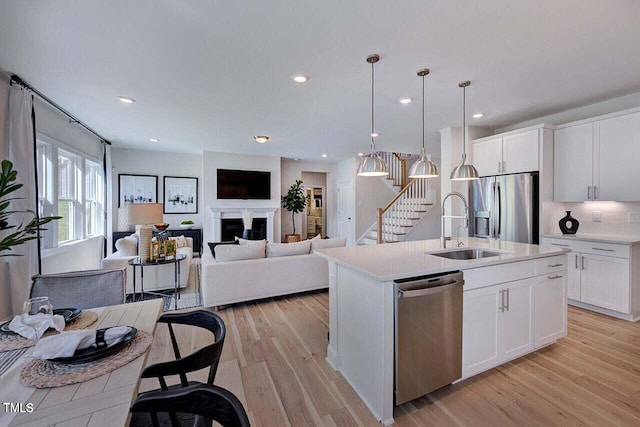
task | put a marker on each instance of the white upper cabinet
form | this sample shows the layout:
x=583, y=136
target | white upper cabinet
x=619, y=151
x=513, y=153
x=597, y=160
x=520, y=152
x=487, y=156
x=573, y=163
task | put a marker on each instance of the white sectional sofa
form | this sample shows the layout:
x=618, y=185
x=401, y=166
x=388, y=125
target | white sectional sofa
x=155, y=277
x=272, y=273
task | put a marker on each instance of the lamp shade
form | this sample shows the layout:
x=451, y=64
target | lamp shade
x=423, y=168
x=464, y=172
x=144, y=213
x=372, y=165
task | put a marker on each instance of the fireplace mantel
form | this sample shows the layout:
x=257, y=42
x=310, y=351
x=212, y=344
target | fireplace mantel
x=235, y=212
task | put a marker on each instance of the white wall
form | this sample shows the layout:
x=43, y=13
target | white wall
x=292, y=170
x=371, y=193
x=211, y=161
x=144, y=162
x=429, y=226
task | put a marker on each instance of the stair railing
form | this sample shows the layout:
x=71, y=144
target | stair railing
x=399, y=212
x=397, y=164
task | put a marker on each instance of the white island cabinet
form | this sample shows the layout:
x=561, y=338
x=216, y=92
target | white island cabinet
x=513, y=303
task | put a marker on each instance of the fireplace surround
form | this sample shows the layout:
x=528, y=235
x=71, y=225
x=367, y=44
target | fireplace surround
x=262, y=223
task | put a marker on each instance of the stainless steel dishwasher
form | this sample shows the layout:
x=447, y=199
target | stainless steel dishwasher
x=428, y=334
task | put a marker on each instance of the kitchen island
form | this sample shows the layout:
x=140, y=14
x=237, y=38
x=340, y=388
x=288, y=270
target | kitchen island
x=362, y=300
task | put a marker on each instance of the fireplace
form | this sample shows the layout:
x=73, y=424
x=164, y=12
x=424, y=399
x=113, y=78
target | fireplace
x=263, y=223
x=233, y=227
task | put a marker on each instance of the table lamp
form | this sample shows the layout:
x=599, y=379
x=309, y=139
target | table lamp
x=142, y=215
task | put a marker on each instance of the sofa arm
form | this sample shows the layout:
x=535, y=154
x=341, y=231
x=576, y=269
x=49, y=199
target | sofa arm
x=116, y=261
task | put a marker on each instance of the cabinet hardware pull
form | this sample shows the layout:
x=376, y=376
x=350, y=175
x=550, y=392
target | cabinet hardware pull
x=576, y=261
x=582, y=262
x=588, y=192
x=554, y=277
x=504, y=167
x=508, y=299
x=555, y=265
x=603, y=249
x=499, y=166
x=501, y=300
x=559, y=244
x=595, y=192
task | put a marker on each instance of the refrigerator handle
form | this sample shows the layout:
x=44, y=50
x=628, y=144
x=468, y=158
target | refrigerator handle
x=499, y=210
x=493, y=211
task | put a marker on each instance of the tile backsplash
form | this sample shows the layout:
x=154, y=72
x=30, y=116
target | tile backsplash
x=613, y=217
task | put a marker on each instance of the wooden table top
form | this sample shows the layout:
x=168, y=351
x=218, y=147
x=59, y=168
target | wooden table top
x=102, y=401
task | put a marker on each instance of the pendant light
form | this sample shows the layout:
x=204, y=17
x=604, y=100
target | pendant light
x=464, y=172
x=424, y=167
x=372, y=164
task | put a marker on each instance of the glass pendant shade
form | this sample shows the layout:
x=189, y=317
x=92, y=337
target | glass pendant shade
x=423, y=168
x=372, y=165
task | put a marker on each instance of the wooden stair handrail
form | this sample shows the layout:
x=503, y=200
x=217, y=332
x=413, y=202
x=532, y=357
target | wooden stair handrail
x=381, y=211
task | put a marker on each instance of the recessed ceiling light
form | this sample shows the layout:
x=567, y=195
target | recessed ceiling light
x=261, y=139
x=360, y=154
x=126, y=100
x=300, y=78
x=374, y=134
x=405, y=100
x=296, y=159
x=153, y=139
x=478, y=115
x=324, y=155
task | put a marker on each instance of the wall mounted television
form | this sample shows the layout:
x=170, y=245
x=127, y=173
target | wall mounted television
x=244, y=184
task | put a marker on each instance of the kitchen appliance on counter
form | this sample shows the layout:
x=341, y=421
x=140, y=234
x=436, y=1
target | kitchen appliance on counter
x=505, y=207
x=428, y=334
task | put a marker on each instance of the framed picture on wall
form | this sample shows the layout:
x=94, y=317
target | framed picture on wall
x=137, y=189
x=180, y=195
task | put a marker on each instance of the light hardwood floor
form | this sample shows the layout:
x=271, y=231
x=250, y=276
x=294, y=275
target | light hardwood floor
x=274, y=361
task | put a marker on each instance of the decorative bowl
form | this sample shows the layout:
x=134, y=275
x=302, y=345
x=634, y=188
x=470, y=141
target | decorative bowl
x=161, y=227
x=186, y=226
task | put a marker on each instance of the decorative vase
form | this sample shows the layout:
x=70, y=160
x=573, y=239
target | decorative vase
x=568, y=224
x=247, y=234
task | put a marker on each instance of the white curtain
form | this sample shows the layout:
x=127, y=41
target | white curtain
x=18, y=147
x=108, y=197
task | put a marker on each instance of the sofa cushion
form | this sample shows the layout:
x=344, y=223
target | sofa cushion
x=242, y=241
x=127, y=246
x=239, y=252
x=328, y=243
x=286, y=249
x=212, y=245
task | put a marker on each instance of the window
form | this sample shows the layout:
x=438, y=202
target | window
x=70, y=185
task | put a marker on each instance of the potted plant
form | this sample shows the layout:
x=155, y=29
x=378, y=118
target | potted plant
x=186, y=224
x=294, y=201
x=14, y=235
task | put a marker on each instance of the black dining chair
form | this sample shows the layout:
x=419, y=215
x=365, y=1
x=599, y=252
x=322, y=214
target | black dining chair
x=195, y=405
x=208, y=356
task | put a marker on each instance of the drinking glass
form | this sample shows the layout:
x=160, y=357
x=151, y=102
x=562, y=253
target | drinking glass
x=35, y=313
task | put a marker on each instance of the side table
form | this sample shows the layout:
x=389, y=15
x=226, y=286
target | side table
x=176, y=260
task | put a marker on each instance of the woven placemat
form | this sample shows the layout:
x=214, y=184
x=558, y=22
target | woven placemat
x=44, y=374
x=85, y=319
x=11, y=341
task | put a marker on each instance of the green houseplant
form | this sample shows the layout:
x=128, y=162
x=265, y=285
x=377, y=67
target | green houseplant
x=294, y=201
x=14, y=235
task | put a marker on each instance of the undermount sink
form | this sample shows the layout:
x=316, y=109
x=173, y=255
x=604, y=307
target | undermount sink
x=466, y=254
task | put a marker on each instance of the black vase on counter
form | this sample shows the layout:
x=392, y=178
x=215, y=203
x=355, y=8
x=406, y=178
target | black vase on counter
x=568, y=224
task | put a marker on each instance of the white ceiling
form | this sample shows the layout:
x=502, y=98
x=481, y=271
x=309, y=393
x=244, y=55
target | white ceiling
x=208, y=75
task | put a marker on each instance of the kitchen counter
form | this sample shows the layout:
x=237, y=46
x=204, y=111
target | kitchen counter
x=624, y=240
x=410, y=259
x=513, y=304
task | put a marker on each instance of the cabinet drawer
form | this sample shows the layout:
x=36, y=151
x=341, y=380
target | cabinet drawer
x=551, y=264
x=485, y=276
x=605, y=249
x=562, y=243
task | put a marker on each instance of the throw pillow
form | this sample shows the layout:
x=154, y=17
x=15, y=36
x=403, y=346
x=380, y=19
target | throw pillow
x=212, y=245
x=328, y=243
x=239, y=252
x=181, y=241
x=127, y=246
x=286, y=249
x=242, y=241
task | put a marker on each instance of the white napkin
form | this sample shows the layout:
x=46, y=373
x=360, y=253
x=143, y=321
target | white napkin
x=40, y=321
x=65, y=344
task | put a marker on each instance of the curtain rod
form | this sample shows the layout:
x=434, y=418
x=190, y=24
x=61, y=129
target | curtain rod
x=72, y=119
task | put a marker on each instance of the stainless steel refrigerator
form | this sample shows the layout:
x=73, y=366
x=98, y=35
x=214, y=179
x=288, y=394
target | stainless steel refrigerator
x=505, y=207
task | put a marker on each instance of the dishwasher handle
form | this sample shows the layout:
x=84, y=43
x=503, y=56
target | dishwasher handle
x=429, y=291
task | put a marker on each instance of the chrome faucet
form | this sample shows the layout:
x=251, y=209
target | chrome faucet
x=465, y=218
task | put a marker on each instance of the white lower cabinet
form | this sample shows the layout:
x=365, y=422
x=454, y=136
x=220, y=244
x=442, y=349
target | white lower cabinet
x=504, y=321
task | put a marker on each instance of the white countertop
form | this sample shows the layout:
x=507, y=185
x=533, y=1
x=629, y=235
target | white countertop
x=394, y=261
x=626, y=240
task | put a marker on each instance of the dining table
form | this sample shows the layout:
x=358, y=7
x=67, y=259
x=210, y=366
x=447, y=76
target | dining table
x=101, y=401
